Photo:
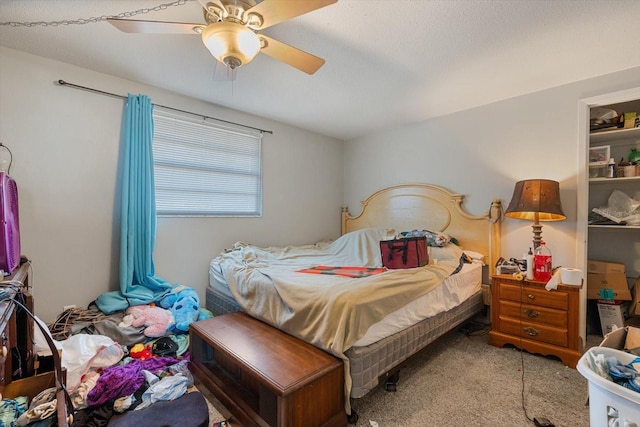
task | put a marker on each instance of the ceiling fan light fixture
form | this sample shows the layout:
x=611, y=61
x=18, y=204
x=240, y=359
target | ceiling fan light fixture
x=230, y=43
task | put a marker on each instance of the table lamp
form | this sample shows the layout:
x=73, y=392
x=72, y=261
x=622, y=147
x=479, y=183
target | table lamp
x=536, y=200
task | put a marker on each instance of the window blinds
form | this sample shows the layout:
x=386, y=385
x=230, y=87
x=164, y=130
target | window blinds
x=203, y=168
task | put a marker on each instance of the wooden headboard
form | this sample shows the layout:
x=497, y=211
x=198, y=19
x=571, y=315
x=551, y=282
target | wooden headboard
x=408, y=207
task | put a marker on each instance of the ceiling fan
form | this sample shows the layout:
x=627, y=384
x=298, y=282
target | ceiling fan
x=230, y=32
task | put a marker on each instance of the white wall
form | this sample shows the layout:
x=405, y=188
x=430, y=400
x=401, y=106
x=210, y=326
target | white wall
x=482, y=152
x=65, y=144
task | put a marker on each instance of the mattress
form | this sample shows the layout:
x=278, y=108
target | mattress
x=453, y=291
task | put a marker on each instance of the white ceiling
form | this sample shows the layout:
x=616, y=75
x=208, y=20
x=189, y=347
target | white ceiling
x=388, y=62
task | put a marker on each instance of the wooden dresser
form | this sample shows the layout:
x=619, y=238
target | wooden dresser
x=17, y=358
x=16, y=330
x=526, y=315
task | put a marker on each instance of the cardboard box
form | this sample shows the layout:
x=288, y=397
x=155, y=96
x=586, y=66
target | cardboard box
x=627, y=338
x=612, y=314
x=615, y=282
x=32, y=386
x=630, y=119
x=29, y=386
x=604, y=267
x=634, y=310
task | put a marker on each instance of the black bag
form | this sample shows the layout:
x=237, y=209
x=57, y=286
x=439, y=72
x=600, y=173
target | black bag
x=406, y=252
x=189, y=410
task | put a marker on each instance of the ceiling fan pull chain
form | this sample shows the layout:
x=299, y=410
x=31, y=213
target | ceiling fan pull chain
x=93, y=20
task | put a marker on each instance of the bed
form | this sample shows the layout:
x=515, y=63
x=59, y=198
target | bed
x=397, y=320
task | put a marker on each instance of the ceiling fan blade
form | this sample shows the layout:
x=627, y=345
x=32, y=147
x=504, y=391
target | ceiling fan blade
x=154, y=27
x=290, y=55
x=275, y=11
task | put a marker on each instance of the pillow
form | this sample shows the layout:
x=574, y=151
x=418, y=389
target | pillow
x=468, y=257
x=474, y=255
x=434, y=238
x=448, y=253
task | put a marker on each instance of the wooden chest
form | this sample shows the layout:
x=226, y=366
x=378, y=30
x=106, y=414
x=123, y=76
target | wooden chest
x=266, y=377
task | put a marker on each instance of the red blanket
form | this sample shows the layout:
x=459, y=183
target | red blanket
x=343, y=271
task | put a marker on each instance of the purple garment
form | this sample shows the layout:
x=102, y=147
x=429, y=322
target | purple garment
x=123, y=380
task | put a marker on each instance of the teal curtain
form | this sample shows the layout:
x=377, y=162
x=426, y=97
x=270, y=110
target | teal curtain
x=138, y=283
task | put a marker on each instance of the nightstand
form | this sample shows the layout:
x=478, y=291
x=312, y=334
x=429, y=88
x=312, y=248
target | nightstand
x=526, y=315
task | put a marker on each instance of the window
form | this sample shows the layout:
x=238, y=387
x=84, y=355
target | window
x=202, y=168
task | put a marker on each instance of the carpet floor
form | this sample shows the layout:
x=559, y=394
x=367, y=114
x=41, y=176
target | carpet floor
x=462, y=381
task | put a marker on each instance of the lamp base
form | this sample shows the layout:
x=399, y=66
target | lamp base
x=537, y=235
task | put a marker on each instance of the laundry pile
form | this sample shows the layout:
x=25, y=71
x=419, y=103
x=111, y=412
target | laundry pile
x=126, y=368
x=626, y=375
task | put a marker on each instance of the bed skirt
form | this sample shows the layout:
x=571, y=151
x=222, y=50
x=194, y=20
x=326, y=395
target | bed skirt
x=370, y=363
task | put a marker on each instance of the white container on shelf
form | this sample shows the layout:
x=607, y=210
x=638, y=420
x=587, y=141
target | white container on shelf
x=599, y=155
x=609, y=401
x=597, y=171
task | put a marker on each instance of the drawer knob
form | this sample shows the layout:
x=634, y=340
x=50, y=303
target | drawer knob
x=531, y=331
x=4, y=351
x=531, y=313
x=531, y=296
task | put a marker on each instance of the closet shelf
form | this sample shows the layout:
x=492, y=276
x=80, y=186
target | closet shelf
x=612, y=180
x=617, y=227
x=613, y=135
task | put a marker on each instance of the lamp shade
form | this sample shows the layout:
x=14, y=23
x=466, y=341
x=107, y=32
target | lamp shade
x=536, y=199
x=231, y=43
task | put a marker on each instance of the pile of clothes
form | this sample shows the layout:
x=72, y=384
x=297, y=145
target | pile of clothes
x=126, y=368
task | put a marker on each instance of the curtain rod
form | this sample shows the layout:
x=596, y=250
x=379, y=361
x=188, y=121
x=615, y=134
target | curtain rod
x=115, y=95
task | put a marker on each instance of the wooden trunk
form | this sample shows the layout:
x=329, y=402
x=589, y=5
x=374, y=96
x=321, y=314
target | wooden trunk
x=266, y=377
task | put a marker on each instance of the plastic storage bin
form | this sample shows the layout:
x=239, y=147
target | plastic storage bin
x=609, y=401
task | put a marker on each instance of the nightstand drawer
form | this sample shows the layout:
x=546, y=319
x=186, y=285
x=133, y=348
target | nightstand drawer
x=534, y=331
x=530, y=295
x=534, y=314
